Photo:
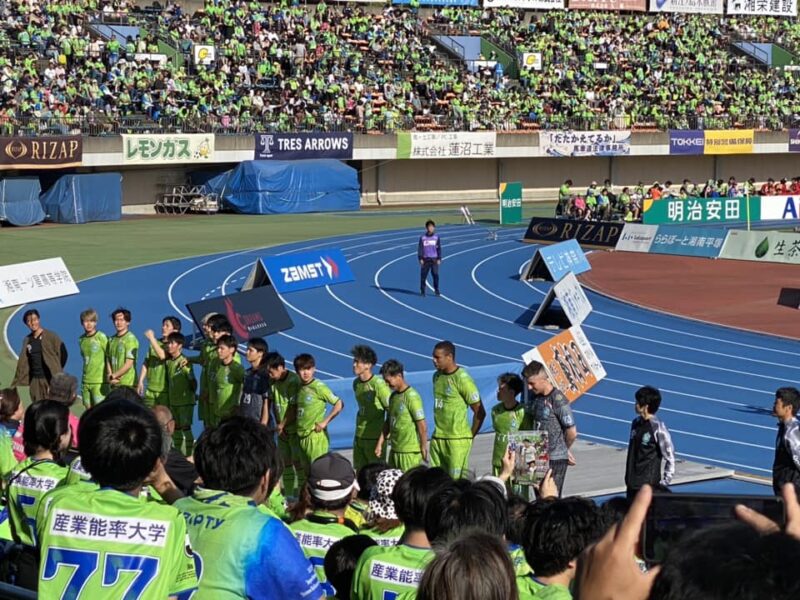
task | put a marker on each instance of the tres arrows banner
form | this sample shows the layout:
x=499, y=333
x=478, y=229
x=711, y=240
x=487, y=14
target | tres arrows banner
x=293, y=272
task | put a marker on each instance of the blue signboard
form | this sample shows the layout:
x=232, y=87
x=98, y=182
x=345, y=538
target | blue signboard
x=688, y=241
x=292, y=272
x=300, y=146
x=690, y=141
x=551, y=263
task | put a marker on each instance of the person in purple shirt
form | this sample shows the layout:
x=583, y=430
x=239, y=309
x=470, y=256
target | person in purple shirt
x=429, y=253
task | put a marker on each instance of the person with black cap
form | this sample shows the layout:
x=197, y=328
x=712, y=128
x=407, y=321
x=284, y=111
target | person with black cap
x=330, y=487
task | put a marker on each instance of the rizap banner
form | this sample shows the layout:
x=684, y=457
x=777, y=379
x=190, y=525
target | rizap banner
x=296, y=146
x=701, y=210
x=303, y=270
x=762, y=246
x=636, y=237
x=21, y=283
x=686, y=141
x=48, y=152
x=780, y=208
x=794, y=140
x=454, y=144
x=154, y=149
x=526, y=4
x=733, y=141
x=706, y=7
x=586, y=233
x=779, y=8
x=688, y=241
x=571, y=362
x=585, y=143
x=510, y=203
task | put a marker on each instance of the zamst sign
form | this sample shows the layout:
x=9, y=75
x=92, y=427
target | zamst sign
x=54, y=152
x=298, y=146
x=587, y=233
x=293, y=272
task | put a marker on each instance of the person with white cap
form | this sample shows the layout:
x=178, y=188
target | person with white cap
x=331, y=484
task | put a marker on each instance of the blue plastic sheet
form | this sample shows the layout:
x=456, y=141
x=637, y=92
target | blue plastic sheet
x=19, y=201
x=277, y=187
x=84, y=198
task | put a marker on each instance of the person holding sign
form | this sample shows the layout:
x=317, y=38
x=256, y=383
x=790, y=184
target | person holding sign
x=549, y=409
x=429, y=253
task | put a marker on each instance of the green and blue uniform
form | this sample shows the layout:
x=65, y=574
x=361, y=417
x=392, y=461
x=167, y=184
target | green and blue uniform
x=284, y=395
x=93, y=354
x=224, y=390
x=316, y=538
x=386, y=572
x=504, y=422
x=372, y=397
x=28, y=484
x=156, y=390
x=242, y=552
x=451, y=442
x=180, y=389
x=405, y=411
x=312, y=400
x=120, y=349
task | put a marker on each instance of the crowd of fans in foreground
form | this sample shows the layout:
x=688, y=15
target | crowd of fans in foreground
x=347, y=67
x=112, y=506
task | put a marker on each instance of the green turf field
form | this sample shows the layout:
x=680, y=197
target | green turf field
x=97, y=248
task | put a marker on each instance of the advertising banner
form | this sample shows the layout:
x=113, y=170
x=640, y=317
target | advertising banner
x=532, y=60
x=526, y=4
x=53, y=152
x=551, y=263
x=706, y=7
x=686, y=141
x=258, y=312
x=701, y=210
x=203, y=54
x=453, y=144
x=763, y=246
x=157, y=148
x=586, y=233
x=440, y=2
x=570, y=361
x=585, y=143
x=688, y=241
x=636, y=237
x=729, y=141
x=794, y=140
x=780, y=208
x=632, y=5
x=299, y=146
x=779, y=8
x=21, y=283
x=510, y=203
x=303, y=270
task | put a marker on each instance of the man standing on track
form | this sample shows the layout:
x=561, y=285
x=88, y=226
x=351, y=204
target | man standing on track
x=786, y=467
x=453, y=391
x=429, y=253
x=43, y=355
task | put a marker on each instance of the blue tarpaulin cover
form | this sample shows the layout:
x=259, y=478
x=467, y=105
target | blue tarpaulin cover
x=19, y=201
x=266, y=187
x=84, y=198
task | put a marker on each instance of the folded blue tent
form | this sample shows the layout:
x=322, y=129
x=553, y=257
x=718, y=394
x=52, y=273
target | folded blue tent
x=273, y=187
x=19, y=201
x=84, y=198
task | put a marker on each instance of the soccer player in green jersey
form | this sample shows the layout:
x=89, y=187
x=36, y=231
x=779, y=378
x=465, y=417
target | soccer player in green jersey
x=331, y=481
x=123, y=349
x=47, y=437
x=372, y=396
x=153, y=368
x=225, y=381
x=108, y=542
x=284, y=386
x=508, y=416
x=453, y=392
x=93, y=345
x=405, y=426
x=208, y=354
x=181, y=386
x=384, y=572
x=312, y=424
x=241, y=550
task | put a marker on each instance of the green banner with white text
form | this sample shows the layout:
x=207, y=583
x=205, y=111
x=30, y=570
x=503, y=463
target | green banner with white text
x=701, y=210
x=511, y=203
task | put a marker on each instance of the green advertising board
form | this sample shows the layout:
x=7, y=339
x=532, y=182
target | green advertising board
x=701, y=210
x=511, y=203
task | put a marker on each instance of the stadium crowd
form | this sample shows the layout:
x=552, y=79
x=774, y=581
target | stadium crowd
x=317, y=66
x=124, y=502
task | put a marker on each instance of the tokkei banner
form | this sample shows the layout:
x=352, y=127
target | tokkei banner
x=53, y=152
x=570, y=361
x=454, y=144
x=527, y=4
x=633, y=5
x=780, y=8
x=708, y=7
x=585, y=143
x=152, y=149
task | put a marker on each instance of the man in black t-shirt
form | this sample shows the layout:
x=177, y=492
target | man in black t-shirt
x=649, y=445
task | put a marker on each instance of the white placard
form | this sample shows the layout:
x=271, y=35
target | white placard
x=450, y=144
x=572, y=298
x=636, y=237
x=779, y=8
x=33, y=281
x=779, y=208
x=532, y=61
x=204, y=55
x=706, y=7
x=526, y=4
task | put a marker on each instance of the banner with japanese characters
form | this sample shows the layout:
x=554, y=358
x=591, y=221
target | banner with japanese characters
x=21, y=283
x=701, y=210
x=688, y=240
x=632, y=5
x=779, y=8
x=585, y=143
x=729, y=141
x=762, y=246
x=707, y=7
x=154, y=149
x=453, y=144
x=526, y=4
